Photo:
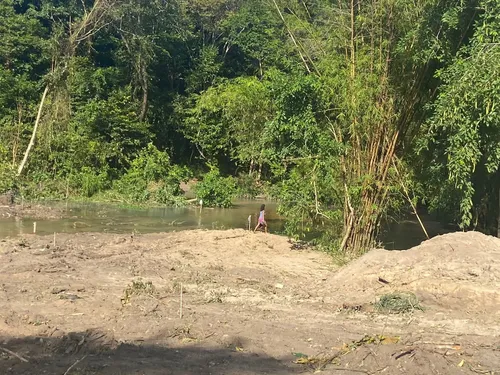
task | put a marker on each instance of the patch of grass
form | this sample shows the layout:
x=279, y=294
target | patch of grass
x=320, y=361
x=176, y=286
x=138, y=287
x=370, y=340
x=398, y=303
x=317, y=363
x=184, y=334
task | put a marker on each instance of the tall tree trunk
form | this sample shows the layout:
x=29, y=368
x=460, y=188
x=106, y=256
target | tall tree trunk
x=353, y=36
x=144, y=105
x=33, y=135
x=15, y=145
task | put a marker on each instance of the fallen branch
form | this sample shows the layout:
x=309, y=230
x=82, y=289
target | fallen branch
x=74, y=364
x=411, y=202
x=480, y=371
x=209, y=335
x=230, y=238
x=14, y=354
x=407, y=352
x=439, y=345
x=347, y=369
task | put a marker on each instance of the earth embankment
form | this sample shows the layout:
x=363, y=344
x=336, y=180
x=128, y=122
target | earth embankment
x=234, y=302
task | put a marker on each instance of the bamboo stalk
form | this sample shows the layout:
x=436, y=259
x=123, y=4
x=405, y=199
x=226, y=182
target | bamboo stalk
x=292, y=37
x=74, y=364
x=410, y=201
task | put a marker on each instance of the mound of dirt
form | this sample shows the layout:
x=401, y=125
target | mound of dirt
x=456, y=271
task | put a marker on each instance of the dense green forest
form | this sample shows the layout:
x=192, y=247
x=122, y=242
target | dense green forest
x=348, y=112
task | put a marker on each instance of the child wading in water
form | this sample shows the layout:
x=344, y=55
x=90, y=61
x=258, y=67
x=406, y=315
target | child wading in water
x=262, y=220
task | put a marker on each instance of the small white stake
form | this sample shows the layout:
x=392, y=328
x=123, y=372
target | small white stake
x=180, y=310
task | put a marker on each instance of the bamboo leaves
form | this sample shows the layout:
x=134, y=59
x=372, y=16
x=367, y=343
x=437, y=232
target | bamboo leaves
x=464, y=119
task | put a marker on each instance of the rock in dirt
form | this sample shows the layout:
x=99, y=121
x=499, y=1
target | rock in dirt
x=57, y=290
x=7, y=198
x=69, y=297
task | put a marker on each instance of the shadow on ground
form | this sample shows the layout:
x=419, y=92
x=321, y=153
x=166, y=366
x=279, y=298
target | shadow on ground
x=95, y=353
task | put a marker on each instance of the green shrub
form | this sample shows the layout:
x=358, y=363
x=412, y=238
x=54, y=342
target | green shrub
x=398, y=303
x=215, y=190
x=175, y=176
x=247, y=185
x=168, y=195
x=38, y=186
x=7, y=172
x=7, y=178
x=133, y=187
x=151, y=165
x=89, y=182
x=151, y=178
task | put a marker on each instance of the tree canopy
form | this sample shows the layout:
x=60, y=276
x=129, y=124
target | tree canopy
x=347, y=112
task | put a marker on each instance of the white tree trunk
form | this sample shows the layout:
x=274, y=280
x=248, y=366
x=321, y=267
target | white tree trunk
x=33, y=135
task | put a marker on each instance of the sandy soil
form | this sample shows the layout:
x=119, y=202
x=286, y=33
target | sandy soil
x=251, y=304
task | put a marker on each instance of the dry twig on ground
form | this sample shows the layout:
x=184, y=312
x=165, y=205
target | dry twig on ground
x=14, y=354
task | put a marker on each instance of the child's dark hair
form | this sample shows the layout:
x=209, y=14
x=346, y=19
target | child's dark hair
x=262, y=207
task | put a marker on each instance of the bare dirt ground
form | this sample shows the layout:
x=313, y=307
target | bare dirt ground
x=251, y=304
x=34, y=211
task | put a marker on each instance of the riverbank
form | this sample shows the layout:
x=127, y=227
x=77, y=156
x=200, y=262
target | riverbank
x=57, y=209
x=32, y=211
x=234, y=302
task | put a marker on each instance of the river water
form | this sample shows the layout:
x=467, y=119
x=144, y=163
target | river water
x=94, y=217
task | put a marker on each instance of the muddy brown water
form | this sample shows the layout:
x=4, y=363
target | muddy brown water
x=107, y=218
x=92, y=217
